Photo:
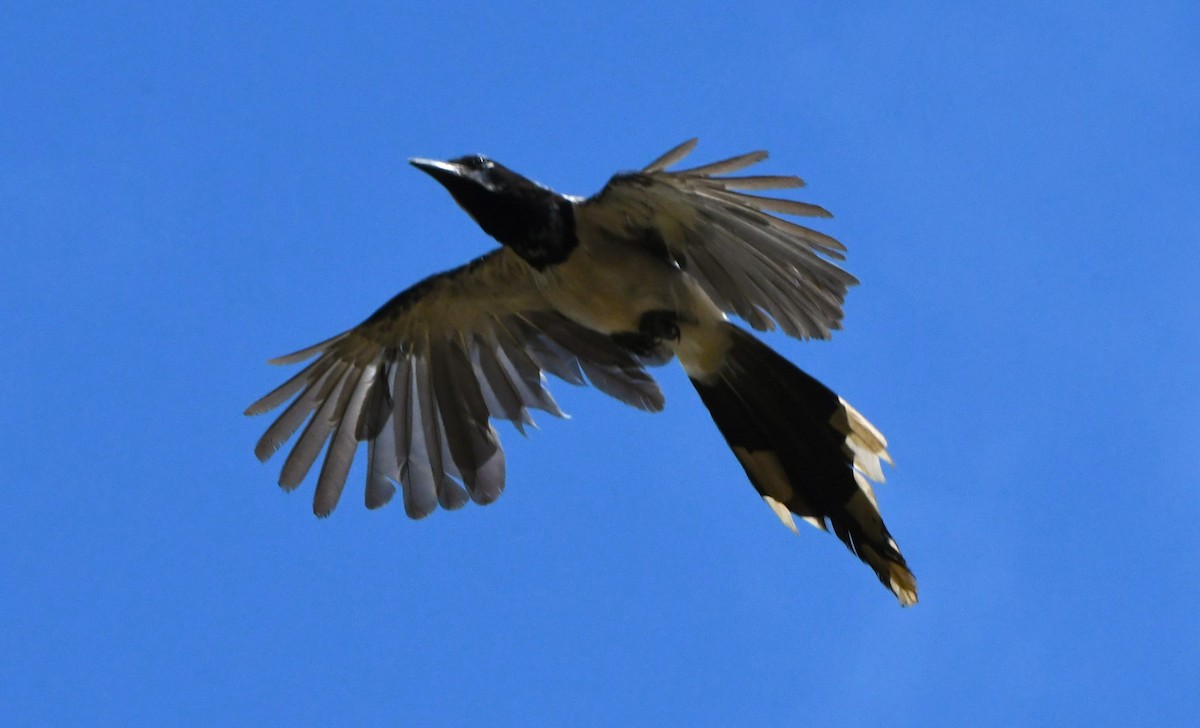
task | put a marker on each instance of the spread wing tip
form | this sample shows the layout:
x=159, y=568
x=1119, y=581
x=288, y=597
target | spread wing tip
x=306, y=353
x=671, y=156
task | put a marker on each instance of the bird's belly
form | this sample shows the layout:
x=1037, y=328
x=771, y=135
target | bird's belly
x=611, y=295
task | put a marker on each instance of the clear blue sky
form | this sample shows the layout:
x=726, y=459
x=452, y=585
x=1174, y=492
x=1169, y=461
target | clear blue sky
x=189, y=189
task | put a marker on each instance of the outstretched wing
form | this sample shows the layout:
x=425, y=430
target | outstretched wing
x=763, y=268
x=419, y=380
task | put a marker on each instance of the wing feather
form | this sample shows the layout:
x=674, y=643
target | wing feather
x=449, y=494
x=420, y=493
x=383, y=466
x=610, y=368
x=287, y=423
x=304, y=454
x=502, y=397
x=419, y=380
x=761, y=182
x=470, y=439
x=377, y=406
x=672, y=156
x=341, y=449
x=774, y=204
x=725, y=166
x=306, y=353
x=288, y=389
x=766, y=269
x=524, y=372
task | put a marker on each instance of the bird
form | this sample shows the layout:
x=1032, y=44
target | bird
x=596, y=290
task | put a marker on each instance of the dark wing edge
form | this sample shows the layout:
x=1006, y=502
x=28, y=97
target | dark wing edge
x=761, y=267
x=419, y=387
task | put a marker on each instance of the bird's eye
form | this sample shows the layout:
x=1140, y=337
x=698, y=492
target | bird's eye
x=474, y=161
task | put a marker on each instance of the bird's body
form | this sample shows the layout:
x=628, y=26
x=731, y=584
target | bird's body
x=628, y=280
x=598, y=288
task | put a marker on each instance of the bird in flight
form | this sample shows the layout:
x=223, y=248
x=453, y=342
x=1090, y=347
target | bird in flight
x=595, y=290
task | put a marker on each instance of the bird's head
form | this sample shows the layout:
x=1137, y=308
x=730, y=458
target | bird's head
x=534, y=221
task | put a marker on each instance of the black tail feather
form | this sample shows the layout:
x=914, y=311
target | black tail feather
x=806, y=451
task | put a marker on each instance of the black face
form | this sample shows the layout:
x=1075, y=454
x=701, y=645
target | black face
x=537, y=223
x=475, y=181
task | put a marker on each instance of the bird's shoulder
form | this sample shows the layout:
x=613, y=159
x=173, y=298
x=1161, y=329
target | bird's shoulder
x=736, y=245
x=495, y=284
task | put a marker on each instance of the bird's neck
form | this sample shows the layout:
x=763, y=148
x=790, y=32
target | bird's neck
x=540, y=227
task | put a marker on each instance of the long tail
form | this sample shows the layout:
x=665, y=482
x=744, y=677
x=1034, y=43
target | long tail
x=806, y=451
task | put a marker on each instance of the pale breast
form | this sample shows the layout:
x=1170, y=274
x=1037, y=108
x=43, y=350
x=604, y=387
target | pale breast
x=607, y=285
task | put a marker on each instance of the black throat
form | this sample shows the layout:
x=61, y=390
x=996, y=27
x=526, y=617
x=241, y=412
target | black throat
x=537, y=224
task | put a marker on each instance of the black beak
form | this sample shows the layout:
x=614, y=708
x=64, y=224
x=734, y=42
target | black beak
x=441, y=171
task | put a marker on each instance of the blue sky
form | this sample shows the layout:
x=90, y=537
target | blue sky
x=186, y=192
